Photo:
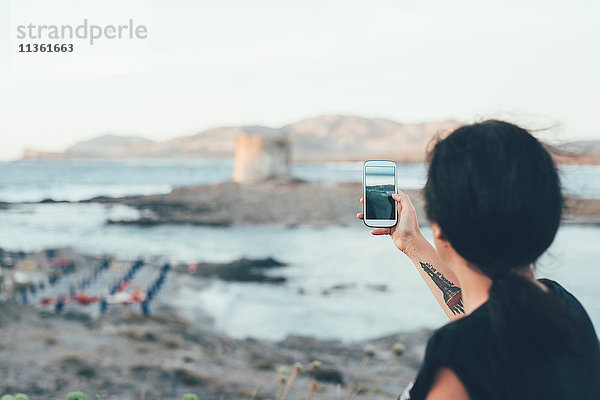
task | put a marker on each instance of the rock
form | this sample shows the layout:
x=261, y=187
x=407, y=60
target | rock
x=337, y=288
x=376, y=287
x=264, y=365
x=330, y=375
x=242, y=270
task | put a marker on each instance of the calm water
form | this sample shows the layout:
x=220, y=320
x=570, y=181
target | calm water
x=318, y=258
x=83, y=179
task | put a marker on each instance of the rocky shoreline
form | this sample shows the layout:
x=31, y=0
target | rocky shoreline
x=160, y=357
x=228, y=203
x=289, y=204
x=125, y=355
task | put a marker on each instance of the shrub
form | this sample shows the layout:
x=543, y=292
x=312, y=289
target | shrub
x=76, y=396
x=18, y=396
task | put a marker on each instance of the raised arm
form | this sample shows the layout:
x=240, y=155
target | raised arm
x=407, y=237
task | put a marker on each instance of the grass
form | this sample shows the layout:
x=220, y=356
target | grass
x=285, y=379
x=190, y=378
x=79, y=396
x=353, y=391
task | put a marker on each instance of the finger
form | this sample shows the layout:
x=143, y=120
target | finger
x=380, y=231
x=360, y=215
x=404, y=203
x=400, y=196
x=398, y=199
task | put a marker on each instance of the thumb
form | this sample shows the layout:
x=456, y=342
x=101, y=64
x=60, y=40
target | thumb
x=400, y=196
x=402, y=199
x=404, y=203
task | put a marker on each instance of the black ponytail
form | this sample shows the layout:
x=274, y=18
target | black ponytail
x=495, y=192
x=525, y=317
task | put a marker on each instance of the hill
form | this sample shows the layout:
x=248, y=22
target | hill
x=583, y=146
x=109, y=146
x=329, y=137
x=323, y=138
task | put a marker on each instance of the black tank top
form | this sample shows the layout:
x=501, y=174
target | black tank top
x=464, y=347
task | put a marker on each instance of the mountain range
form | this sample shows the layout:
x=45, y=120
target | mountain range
x=327, y=137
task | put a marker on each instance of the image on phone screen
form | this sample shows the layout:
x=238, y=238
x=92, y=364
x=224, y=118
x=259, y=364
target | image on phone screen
x=380, y=186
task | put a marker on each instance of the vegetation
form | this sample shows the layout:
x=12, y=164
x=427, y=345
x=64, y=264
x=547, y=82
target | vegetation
x=285, y=379
x=18, y=396
x=79, y=396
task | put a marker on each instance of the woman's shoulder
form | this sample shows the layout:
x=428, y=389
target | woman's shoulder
x=476, y=322
x=466, y=346
x=560, y=291
x=574, y=305
x=462, y=335
x=461, y=346
x=477, y=325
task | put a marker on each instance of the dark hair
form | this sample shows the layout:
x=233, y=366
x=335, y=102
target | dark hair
x=495, y=192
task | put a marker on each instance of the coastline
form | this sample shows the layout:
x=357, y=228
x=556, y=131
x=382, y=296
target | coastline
x=123, y=354
x=289, y=204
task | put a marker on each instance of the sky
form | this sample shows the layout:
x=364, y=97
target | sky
x=272, y=62
x=380, y=175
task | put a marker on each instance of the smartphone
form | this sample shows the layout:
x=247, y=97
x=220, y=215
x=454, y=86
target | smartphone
x=379, y=184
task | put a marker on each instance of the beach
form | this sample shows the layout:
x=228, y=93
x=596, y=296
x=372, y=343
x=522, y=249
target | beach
x=181, y=184
x=262, y=275
x=124, y=355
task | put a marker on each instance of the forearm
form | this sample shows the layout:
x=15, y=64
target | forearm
x=437, y=275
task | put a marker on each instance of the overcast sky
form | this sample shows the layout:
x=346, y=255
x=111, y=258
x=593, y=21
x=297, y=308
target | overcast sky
x=213, y=63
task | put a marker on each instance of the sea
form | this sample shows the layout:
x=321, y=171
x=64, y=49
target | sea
x=342, y=283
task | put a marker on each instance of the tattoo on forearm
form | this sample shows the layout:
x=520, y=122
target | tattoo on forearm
x=452, y=293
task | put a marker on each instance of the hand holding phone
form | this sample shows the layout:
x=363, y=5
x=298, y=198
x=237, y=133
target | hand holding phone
x=379, y=185
x=406, y=233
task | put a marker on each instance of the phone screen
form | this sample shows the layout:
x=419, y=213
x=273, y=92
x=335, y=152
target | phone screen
x=380, y=186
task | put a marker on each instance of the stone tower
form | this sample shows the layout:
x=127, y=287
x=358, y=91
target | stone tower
x=262, y=157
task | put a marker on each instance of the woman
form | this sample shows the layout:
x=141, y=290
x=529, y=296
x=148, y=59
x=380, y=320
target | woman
x=494, y=200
